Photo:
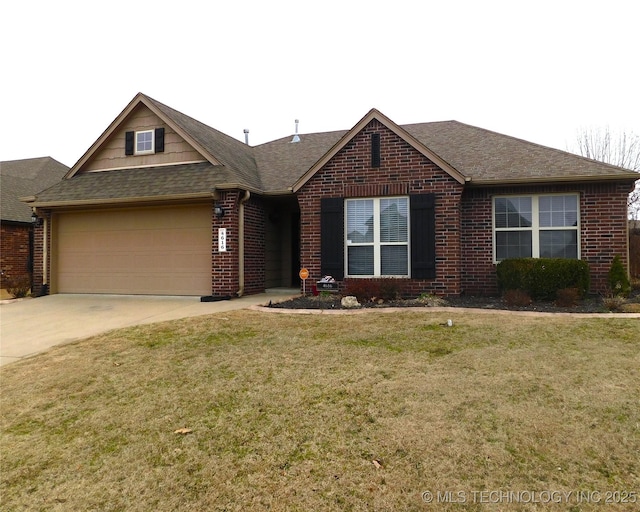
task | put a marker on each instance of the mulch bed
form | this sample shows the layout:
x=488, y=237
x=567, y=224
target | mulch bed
x=589, y=305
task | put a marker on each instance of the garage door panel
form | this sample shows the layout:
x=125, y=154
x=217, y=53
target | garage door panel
x=136, y=251
x=189, y=238
x=114, y=262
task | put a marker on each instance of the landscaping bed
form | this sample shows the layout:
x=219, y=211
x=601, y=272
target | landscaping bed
x=591, y=304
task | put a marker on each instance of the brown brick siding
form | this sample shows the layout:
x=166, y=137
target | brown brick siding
x=225, y=270
x=603, y=233
x=254, y=246
x=464, y=239
x=38, y=274
x=403, y=171
x=14, y=251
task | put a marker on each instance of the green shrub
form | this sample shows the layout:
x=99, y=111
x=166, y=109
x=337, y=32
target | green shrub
x=541, y=278
x=515, y=274
x=618, y=279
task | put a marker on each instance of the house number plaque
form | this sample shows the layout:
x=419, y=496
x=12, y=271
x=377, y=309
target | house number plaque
x=222, y=239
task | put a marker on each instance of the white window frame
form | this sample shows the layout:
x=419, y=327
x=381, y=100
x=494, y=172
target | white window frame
x=377, y=244
x=146, y=151
x=535, y=222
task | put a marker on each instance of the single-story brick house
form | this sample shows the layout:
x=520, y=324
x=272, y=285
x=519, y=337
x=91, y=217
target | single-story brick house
x=163, y=204
x=19, y=178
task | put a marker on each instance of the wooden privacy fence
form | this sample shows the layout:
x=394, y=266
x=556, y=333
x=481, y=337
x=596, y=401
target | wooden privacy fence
x=634, y=253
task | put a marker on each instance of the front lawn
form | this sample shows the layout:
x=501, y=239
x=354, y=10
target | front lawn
x=256, y=411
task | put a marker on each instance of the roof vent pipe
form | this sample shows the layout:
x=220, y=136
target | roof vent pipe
x=246, y=136
x=295, y=137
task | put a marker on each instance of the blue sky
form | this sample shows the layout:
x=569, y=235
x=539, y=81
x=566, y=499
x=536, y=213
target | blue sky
x=541, y=71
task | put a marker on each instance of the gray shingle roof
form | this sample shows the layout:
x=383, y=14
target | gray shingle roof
x=135, y=184
x=235, y=155
x=491, y=158
x=482, y=156
x=282, y=162
x=22, y=178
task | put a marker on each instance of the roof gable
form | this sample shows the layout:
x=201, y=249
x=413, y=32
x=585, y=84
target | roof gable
x=214, y=146
x=374, y=114
x=112, y=155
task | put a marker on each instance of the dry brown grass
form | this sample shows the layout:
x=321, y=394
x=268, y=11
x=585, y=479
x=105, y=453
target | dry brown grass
x=289, y=412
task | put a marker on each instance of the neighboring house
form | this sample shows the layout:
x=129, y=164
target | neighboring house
x=19, y=178
x=163, y=204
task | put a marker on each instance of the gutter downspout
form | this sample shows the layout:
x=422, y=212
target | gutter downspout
x=45, y=252
x=246, y=197
x=45, y=257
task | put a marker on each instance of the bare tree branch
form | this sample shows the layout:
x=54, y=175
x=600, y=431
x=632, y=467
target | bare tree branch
x=621, y=149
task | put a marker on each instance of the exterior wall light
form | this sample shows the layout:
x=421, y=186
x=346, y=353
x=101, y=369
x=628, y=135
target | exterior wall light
x=218, y=211
x=35, y=220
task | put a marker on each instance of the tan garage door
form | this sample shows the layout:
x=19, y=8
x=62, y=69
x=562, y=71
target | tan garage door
x=154, y=251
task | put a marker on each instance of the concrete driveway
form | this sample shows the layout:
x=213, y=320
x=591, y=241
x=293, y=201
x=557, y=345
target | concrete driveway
x=30, y=326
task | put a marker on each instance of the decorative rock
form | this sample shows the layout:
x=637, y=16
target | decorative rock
x=350, y=302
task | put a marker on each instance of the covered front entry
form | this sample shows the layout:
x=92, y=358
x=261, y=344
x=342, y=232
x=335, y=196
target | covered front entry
x=282, y=243
x=150, y=250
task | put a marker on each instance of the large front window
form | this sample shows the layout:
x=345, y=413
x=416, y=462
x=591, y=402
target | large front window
x=377, y=237
x=536, y=227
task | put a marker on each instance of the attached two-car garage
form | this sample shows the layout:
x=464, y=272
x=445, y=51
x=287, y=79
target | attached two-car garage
x=150, y=250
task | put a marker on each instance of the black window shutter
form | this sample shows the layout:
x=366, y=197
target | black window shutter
x=128, y=143
x=375, y=150
x=332, y=237
x=423, y=236
x=159, y=140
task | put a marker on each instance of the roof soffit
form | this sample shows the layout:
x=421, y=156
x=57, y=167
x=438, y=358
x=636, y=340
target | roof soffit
x=395, y=128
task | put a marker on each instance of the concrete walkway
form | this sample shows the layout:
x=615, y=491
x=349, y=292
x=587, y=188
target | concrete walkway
x=31, y=326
